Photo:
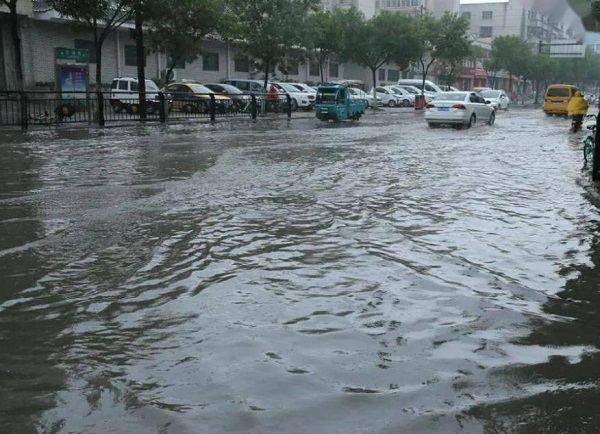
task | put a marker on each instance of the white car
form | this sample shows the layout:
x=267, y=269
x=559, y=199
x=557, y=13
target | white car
x=407, y=99
x=459, y=109
x=498, y=98
x=309, y=91
x=124, y=94
x=356, y=93
x=416, y=91
x=388, y=97
x=299, y=99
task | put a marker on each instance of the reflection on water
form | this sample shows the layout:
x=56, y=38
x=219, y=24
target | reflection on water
x=298, y=277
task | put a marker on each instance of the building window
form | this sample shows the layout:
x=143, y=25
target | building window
x=393, y=75
x=241, y=65
x=467, y=15
x=178, y=65
x=131, y=56
x=485, y=32
x=210, y=61
x=314, y=69
x=334, y=70
x=81, y=44
x=381, y=75
x=487, y=15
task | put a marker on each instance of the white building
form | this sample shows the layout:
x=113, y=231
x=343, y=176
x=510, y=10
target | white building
x=531, y=20
x=374, y=7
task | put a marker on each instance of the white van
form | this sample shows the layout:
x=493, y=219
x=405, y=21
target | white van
x=430, y=86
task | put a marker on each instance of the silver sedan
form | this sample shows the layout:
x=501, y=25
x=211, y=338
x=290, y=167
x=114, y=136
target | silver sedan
x=459, y=109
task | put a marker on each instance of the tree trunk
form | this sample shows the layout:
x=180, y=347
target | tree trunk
x=16, y=40
x=373, y=71
x=98, y=46
x=321, y=70
x=510, y=83
x=267, y=66
x=141, y=59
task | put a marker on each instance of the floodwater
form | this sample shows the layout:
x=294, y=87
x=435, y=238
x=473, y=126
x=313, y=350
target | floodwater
x=376, y=277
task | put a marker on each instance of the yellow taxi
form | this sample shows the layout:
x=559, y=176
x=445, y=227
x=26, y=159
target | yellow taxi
x=557, y=98
x=195, y=98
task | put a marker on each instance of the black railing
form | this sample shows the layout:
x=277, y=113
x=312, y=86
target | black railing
x=47, y=108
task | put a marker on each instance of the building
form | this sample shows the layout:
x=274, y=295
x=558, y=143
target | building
x=435, y=7
x=531, y=20
x=367, y=7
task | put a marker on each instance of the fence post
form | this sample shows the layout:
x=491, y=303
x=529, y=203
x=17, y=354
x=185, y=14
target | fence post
x=596, y=162
x=253, y=106
x=24, y=111
x=289, y=105
x=162, y=112
x=213, y=107
x=100, y=97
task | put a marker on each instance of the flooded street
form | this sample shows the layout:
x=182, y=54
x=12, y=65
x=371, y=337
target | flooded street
x=377, y=277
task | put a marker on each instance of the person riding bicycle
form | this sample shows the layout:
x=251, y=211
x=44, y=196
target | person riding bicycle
x=577, y=109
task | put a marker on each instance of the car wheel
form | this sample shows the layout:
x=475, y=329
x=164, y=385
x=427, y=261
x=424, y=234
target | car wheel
x=405, y=103
x=118, y=106
x=391, y=103
x=506, y=108
x=433, y=125
x=492, y=119
x=472, y=121
x=202, y=107
x=188, y=108
x=150, y=108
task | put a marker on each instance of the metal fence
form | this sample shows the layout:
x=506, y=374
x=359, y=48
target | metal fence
x=49, y=108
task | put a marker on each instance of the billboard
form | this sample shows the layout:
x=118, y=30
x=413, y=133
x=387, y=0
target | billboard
x=73, y=78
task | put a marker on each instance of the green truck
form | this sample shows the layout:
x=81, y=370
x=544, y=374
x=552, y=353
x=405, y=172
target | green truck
x=335, y=103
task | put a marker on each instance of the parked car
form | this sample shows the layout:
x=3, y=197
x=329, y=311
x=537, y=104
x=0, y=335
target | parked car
x=195, y=98
x=497, y=98
x=356, y=93
x=406, y=98
x=309, y=91
x=299, y=99
x=254, y=87
x=430, y=86
x=239, y=98
x=447, y=88
x=459, y=109
x=388, y=97
x=124, y=95
x=416, y=91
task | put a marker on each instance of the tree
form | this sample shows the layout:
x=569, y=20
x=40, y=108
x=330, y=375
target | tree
x=511, y=53
x=445, y=40
x=16, y=39
x=324, y=30
x=178, y=27
x=368, y=42
x=542, y=69
x=100, y=16
x=267, y=30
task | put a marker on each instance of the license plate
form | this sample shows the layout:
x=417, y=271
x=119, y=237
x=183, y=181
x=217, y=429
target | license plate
x=557, y=102
x=443, y=109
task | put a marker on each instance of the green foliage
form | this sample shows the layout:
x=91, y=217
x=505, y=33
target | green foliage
x=369, y=43
x=177, y=27
x=323, y=31
x=445, y=40
x=100, y=16
x=510, y=53
x=267, y=30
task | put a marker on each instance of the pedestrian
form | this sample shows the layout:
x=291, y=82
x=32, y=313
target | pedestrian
x=577, y=109
x=272, y=98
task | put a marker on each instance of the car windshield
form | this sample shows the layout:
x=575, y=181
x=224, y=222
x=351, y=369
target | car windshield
x=353, y=91
x=490, y=94
x=198, y=88
x=288, y=87
x=150, y=85
x=451, y=96
x=230, y=89
x=411, y=90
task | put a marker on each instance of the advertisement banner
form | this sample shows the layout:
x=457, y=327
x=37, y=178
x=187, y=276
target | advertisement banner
x=73, y=79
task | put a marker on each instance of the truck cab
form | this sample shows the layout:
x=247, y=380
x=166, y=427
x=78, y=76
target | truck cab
x=334, y=103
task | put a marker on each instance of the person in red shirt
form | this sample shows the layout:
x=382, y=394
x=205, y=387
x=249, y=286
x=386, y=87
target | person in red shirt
x=272, y=98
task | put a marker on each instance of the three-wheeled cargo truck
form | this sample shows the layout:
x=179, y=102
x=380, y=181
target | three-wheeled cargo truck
x=334, y=103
